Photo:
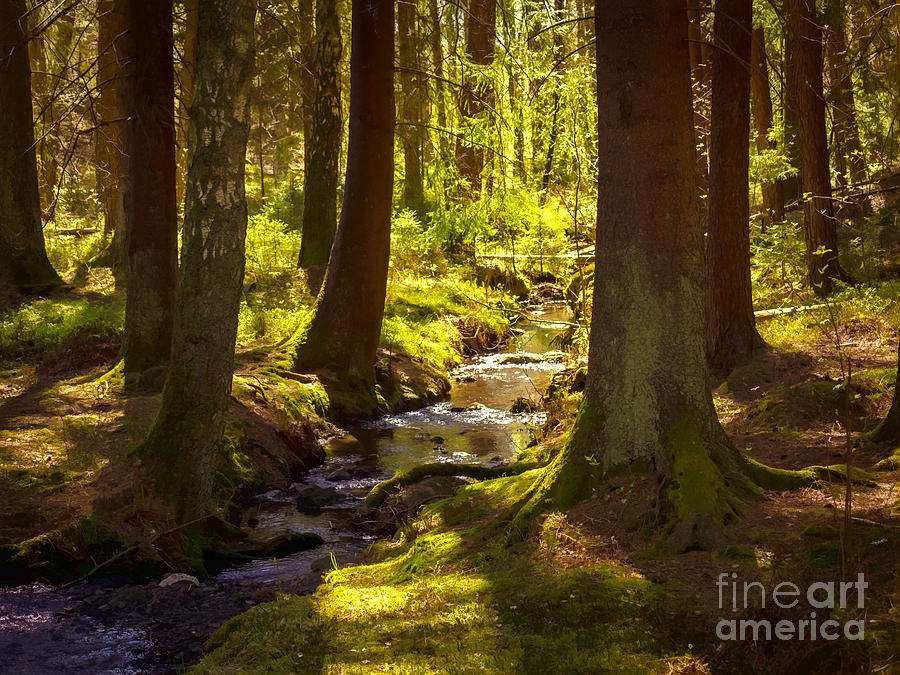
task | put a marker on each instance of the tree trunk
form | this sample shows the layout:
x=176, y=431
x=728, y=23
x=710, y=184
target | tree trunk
x=761, y=99
x=888, y=431
x=322, y=148
x=182, y=447
x=819, y=224
x=647, y=407
x=700, y=58
x=437, y=59
x=481, y=19
x=851, y=166
x=148, y=142
x=414, y=101
x=186, y=79
x=559, y=7
x=731, y=328
x=106, y=138
x=346, y=324
x=24, y=266
x=793, y=29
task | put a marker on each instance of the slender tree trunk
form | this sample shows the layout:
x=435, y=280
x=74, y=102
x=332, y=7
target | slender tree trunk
x=647, y=407
x=793, y=78
x=851, y=166
x=413, y=98
x=323, y=148
x=106, y=138
x=346, y=324
x=819, y=224
x=186, y=78
x=559, y=7
x=761, y=99
x=148, y=141
x=700, y=58
x=182, y=449
x=437, y=61
x=481, y=20
x=24, y=266
x=731, y=328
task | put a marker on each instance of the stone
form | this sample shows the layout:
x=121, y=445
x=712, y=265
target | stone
x=313, y=498
x=179, y=578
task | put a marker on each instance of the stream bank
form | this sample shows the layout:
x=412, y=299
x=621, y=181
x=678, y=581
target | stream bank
x=117, y=625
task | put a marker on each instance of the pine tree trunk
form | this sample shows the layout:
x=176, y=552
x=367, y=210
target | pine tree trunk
x=346, y=325
x=731, y=327
x=437, y=61
x=413, y=101
x=148, y=147
x=24, y=266
x=182, y=448
x=700, y=58
x=793, y=185
x=322, y=148
x=761, y=100
x=481, y=20
x=819, y=224
x=851, y=166
x=647, y=407
x=106, y=144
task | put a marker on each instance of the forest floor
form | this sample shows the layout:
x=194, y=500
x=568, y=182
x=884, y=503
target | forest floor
x=596, y=588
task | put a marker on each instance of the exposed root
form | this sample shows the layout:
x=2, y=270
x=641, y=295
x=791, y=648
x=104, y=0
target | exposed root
x=380, y=493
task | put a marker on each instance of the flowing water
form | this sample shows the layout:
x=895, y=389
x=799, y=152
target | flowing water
x=119, y=626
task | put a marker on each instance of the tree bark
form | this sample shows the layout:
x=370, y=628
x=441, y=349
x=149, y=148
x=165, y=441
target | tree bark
x=481, y=19
x=700, y=58
x=437, y=59
x=761, y=99
x=647, y=407
x=793, y=28
x=413, y=99
x=851, y=166
x=731, y=327
x=186, y=79
x=106, y=138
x=819, y=224
x=322, y=148
x=346, y=324
x=24, y=266
x=148, y=141
x=182, y=448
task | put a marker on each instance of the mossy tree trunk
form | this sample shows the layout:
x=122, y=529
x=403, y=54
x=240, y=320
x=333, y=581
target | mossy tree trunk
x=322, y=147
x=182, y=448
x=481, y=20
x=346, y=324
x=819, y=223
x=151, y=214
x=731, y=326
x=24, y=266
x=763, y=120
x=647, y=406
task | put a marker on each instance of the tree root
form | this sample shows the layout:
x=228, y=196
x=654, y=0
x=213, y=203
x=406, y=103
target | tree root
x=380, y=493
x=781, y=480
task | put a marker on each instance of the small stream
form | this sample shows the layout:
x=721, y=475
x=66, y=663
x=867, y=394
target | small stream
x=119, y=626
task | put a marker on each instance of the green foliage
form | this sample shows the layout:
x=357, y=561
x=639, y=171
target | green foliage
x=44, y=325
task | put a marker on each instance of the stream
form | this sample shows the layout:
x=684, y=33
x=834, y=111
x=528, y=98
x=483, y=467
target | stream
x=123, y=626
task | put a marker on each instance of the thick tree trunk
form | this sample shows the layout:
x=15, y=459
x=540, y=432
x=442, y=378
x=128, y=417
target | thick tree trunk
x=346, y=325
x=761, y=99
x=481, y=20
x=322, y=148
x=111, y=25
x=851, y=166
x=148, y=146
x=819, y=224
x=731, y=327
x=24, y=266
x=413, y=106
x=647, y=405
x=182, y=447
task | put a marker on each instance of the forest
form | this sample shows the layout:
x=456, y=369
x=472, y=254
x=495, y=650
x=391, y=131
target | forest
x=449, y=336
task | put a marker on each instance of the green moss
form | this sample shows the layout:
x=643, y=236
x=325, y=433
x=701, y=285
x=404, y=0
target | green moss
x=455, y=600
x=891, y=462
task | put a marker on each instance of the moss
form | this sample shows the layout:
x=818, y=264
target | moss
x=771, y=478
x=891, y=462
x=452, y=599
